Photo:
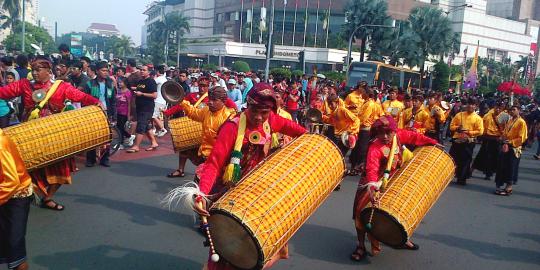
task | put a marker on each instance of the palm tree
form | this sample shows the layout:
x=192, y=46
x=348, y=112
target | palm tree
x=14, y=9
x=361, y=12
x=434, y=30
x=173, y=25
x=122, y=46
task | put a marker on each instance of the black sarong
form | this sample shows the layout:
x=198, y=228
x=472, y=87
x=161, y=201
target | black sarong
x=462, y=154
x=507, y=169
x=487, y=158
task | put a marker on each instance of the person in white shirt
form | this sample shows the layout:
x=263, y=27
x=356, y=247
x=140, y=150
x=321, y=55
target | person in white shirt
x=217, y=81
x=160, y=103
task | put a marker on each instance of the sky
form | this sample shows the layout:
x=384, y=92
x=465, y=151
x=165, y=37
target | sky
x=77, y=15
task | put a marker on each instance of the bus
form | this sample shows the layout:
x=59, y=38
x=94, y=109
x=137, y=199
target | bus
x=375, y=73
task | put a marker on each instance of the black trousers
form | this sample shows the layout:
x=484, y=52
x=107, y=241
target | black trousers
x=507, y=169
x=13, y=220
x=436, y=135
x=91, y=156
x=121, y=124
x=487, y=158
x=462, y=153
x=359, y=152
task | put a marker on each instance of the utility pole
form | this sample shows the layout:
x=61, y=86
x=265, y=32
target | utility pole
x=269, y=44
x=23, y=23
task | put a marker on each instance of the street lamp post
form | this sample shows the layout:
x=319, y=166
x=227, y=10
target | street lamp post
x=348, y=60
x=454, y=8
x=269, y=42
x=23, y=23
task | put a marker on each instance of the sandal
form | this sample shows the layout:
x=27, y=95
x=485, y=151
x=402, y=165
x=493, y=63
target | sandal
x=501, y=192
x=56, y=206
x=413, y=247
x=131, y=150
x=173, y=175
x=151, y=148
x=357, y=256
x=508, y=191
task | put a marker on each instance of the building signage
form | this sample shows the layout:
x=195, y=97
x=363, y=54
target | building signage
x=278, y=53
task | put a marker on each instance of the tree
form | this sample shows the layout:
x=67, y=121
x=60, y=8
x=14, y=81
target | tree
x=14, y=9
x=122, y=46
x=209, y=67
x=241, y=66
x=362, y=12
x=34, y=34
x=441, y=76
x=172, y=27
x=434, y=31
x=281, y=73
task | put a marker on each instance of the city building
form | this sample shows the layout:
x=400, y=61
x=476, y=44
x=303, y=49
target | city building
x=514, y=9
x=228, y=30
x=31, y=16
x=103, y=29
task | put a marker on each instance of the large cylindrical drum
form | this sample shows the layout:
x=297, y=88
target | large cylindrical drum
x=186, y=134
x=52, y=138
x=411, y=192
x=255, y=219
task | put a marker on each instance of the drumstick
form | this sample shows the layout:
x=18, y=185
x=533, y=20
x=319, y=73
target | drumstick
x=214, y=257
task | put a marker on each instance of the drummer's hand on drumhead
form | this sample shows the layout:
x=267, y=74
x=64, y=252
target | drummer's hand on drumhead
x=200, y=208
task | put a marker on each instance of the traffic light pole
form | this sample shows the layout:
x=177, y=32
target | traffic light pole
x=269, y=42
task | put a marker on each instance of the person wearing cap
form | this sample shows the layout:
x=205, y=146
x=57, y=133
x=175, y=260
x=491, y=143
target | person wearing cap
x=368, y=114
x=217, y=81
x=437, y=117
x=514, y=135
x=392, y=106
x=486, y=159
x=466, y=126
x=200, y=97
x=354, y=100
x=386, y=135
x=212, y=117
x=414, y=118
x=234, y=93
x=57, y=174
x=228, y=162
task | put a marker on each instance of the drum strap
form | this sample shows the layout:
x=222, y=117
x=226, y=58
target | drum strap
x=35, y=113
x=390, y=161
x=200, y=100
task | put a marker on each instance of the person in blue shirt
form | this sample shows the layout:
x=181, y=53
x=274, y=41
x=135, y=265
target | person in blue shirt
x=234, y=94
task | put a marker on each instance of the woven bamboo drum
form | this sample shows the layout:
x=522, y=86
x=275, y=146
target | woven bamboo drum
x=411, y=192
x=186, y=134
x=52, y=138
x=255, y=219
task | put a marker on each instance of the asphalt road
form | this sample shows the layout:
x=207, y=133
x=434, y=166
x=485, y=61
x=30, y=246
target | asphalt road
x=113, y=220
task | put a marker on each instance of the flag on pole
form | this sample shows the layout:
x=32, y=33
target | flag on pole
x=409, y=87
x=472, y=77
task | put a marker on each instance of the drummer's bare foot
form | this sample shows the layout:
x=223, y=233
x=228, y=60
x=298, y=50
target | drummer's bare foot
x=359, y=254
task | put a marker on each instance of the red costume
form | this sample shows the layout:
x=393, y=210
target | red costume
x=252, y=154
x=60, y=172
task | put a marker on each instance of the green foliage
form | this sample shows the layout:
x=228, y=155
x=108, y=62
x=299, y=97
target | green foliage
x=361, y=12
x=209, y=67
x=165, y=35
x=440, y=77
x=240, y=66
x=297, y=73
x=281, y=72
x=34, y=34
x=334, y=76
x=434, y=32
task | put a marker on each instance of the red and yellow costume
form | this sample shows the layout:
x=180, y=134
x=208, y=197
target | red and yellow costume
x=59, y=172
x=192, y=98
x=376, y=165
x=254, y=147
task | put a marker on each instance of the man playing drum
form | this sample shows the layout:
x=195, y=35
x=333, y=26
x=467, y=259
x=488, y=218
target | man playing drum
x=211, y=117
x=387, y=136
x=41, y=97
x=241, y=144
x=201, y=99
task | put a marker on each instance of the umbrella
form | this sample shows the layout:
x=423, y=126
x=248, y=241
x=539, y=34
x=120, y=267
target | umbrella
x=513, y=87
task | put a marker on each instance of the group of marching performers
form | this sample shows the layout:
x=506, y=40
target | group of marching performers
x=234, y=142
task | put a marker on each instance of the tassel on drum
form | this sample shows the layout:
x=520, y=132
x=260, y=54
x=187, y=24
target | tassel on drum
x=214, y=257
